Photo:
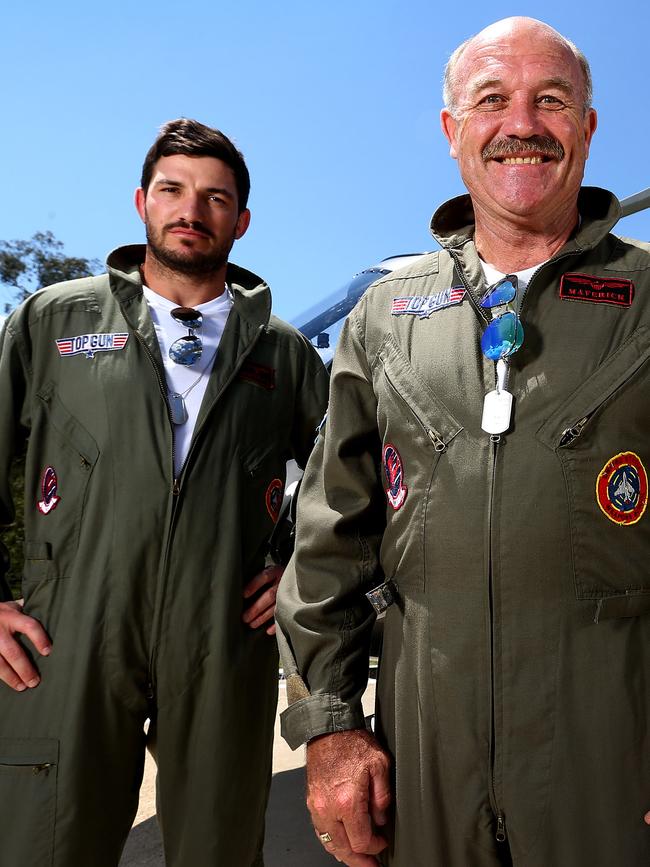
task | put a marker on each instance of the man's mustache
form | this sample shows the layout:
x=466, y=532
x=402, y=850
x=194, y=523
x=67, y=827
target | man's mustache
x=539, y=145
x=195, y=226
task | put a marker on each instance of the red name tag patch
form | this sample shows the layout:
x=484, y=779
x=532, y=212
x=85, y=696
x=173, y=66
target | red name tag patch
x=601, y=290
x=259, y=374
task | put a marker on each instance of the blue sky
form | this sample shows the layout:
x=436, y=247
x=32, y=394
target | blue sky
x=335, y=107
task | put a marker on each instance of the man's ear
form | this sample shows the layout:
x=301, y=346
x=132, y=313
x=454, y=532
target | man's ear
x=243, y=222
x=591, y=122
x=449, y=126
x=139, y=202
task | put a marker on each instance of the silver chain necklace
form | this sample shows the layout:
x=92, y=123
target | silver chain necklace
x=177, y=399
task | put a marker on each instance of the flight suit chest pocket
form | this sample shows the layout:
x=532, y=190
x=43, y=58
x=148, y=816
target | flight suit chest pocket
x=601, y=437
x=60, y=461
x=416, y=429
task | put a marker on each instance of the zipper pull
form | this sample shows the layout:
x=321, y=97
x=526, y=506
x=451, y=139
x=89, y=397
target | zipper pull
x=176, y=488
x=438, y=443
x=573, y=432
x=37, y=769
x=501, y=829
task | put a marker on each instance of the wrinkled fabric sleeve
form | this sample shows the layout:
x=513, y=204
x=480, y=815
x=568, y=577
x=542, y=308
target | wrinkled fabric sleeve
x=324, y=620
x=14, y=422
x=311, y=403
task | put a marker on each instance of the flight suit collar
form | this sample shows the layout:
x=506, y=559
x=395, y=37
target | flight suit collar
x=452, y=225
x=248, y=319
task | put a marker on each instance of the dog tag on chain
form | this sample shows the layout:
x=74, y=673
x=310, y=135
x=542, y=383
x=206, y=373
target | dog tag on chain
x=497, y=406
x=497, y=412
x=177, y=408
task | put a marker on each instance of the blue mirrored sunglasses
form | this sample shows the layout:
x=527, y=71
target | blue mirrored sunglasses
x=504, y=334
x=187, y=349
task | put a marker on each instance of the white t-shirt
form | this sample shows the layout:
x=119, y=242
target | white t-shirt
x=181, y=377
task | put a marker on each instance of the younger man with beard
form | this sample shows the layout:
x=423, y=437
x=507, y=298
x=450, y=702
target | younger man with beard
x=159, y=403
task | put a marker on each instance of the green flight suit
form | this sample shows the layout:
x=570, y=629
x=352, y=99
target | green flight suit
x=138, y=577
x=514, y=683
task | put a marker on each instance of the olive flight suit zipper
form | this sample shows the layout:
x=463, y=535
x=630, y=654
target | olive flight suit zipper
x=501, y=831
x=176, y=490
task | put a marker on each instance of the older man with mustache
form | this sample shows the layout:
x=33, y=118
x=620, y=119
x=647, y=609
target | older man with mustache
x=482, y=478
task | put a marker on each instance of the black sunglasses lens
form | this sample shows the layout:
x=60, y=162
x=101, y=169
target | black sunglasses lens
x=188, y=317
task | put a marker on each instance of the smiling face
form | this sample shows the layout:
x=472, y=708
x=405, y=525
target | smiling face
x=190, y=211
x=519, y=130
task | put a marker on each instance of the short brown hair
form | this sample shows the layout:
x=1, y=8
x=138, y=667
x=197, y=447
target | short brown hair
x=194, y=139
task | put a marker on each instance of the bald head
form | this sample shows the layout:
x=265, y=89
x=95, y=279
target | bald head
x=506, y=29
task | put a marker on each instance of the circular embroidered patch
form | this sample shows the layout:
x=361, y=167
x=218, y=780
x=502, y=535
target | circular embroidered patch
x=622, y=488
x=394, y=472
x=274, y=494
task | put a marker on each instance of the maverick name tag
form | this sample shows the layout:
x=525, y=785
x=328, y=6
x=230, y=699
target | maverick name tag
x=599, y=290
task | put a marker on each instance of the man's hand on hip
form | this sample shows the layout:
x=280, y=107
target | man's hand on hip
x=16, y=669
x=348, y=795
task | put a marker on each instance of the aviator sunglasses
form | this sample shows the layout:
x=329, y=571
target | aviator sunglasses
x=504, y=334
x=187, y=349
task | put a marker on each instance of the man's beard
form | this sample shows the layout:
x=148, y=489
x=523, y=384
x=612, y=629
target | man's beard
x=189, y=262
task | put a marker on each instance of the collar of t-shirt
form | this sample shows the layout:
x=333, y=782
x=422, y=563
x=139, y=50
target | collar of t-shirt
x=182, y=377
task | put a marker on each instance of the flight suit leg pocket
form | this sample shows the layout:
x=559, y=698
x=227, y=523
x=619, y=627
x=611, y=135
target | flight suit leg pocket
x=28, y=790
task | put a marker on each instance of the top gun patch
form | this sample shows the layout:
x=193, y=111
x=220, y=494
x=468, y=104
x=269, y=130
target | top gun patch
x=424, y=305
x=602, y=290
x=89, y=344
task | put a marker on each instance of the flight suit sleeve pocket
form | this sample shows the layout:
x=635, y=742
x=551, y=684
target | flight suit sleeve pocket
x=28, y=782
x=61, y=458
x=417, y=431
x=70, y=429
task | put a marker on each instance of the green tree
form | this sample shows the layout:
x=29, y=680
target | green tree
x=24, y=267
x=28, y=265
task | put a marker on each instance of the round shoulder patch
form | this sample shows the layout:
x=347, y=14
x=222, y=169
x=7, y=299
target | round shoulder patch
x=622, y=488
